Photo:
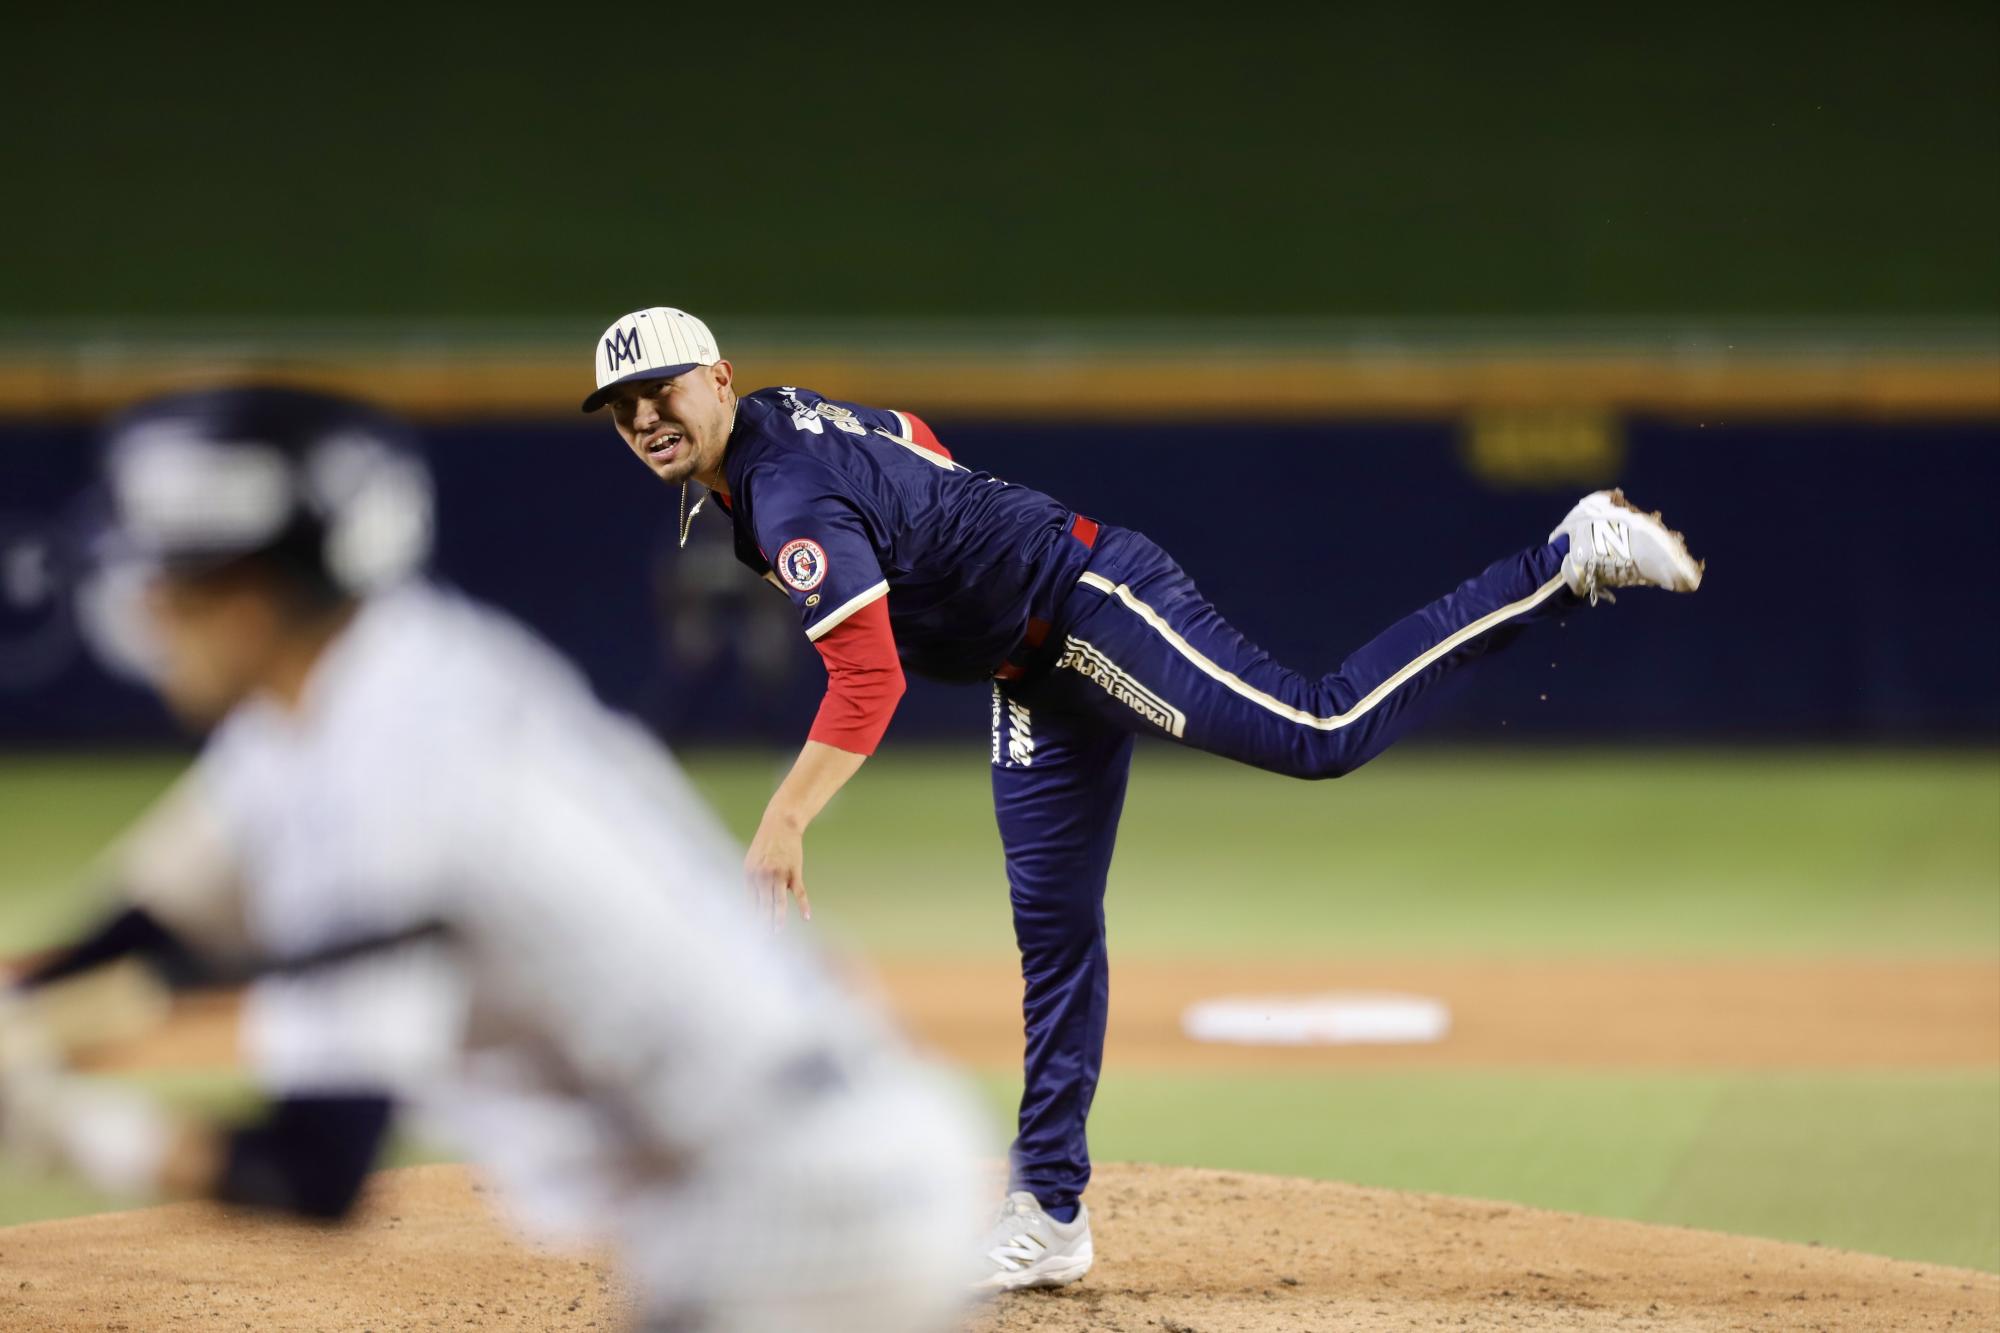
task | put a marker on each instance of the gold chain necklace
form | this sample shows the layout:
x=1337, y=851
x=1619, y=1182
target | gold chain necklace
x=687, y=515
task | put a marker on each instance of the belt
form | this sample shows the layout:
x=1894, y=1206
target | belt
x=1083, y=530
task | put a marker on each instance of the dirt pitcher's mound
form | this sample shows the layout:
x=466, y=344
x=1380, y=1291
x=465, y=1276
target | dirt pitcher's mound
x=1186, y=1251
x=426, y=1252
x=1181, y=1251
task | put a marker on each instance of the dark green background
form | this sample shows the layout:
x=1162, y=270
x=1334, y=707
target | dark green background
x=1408, y=160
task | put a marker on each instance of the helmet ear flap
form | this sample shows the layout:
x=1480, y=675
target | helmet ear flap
x=375, y=506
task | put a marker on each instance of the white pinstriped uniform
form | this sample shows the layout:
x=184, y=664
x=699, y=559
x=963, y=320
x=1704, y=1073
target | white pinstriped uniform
x=610, y=1032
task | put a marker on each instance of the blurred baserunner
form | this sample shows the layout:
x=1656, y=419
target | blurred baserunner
x=463, y=886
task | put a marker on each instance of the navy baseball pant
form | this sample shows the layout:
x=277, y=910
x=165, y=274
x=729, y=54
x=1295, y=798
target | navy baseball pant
x=1134, y=647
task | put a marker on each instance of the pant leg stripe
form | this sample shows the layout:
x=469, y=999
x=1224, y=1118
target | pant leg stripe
x=1362, y=706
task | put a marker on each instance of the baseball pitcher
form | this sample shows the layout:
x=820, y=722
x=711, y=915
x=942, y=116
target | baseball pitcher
x=901, y=558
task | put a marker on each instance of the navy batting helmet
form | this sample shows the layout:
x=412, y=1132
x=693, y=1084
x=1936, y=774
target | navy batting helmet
x=328, y=493
x=324, y=484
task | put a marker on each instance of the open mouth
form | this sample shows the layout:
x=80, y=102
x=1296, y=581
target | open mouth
x=663, y=446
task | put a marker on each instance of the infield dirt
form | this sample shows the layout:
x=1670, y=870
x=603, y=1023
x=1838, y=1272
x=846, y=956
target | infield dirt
x=1568, y=1013
x=1181, y=1251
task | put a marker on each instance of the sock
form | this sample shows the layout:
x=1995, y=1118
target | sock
x=1064, y=1213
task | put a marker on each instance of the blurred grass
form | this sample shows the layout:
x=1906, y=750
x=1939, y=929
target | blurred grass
x=1426, y=851
x=1436, y=851
x=57, y=812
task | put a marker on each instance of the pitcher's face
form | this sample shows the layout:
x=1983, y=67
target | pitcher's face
x=678, y=427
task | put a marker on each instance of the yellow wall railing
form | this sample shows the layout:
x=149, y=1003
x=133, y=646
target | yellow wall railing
x=1148, y=384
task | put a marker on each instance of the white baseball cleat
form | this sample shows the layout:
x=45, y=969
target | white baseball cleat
x=1615, y=544
x=1028, y=1248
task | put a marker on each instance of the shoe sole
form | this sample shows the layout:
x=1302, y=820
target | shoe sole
x=1690, y=568
x=1055, y=1273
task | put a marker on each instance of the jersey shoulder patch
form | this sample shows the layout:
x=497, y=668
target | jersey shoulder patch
x=801, y=563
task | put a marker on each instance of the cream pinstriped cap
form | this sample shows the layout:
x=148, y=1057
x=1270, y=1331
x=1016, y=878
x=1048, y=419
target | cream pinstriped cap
x=656, y=343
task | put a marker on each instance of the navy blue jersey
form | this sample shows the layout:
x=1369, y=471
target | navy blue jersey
x=840, y=504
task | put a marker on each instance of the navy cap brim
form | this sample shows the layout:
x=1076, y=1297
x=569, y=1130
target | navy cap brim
x=603, y=394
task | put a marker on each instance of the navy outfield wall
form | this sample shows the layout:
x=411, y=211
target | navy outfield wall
x=1850, y=592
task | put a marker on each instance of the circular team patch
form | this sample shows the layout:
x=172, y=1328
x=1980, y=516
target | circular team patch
x=802, y=563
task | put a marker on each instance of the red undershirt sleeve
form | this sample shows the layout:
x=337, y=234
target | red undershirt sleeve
x=864, y=680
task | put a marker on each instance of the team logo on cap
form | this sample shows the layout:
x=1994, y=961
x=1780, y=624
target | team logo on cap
x=621, y=346
x=802, y=563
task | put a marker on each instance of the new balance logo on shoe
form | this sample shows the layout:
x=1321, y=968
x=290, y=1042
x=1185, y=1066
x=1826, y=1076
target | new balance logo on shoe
x=1615, y=544
x=1028, y=1248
